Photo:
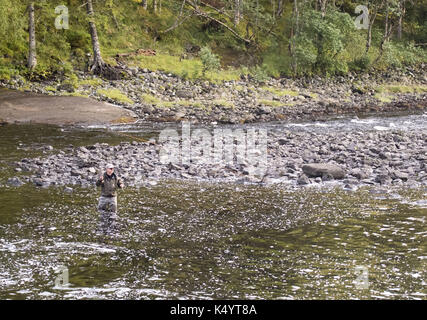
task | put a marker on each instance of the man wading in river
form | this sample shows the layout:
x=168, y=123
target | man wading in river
x=107, y=204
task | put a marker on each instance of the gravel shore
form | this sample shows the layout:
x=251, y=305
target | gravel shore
x=163, y=97
x=348, y=159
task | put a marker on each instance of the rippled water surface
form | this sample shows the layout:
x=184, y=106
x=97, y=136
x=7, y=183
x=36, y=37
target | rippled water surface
x=205, y=241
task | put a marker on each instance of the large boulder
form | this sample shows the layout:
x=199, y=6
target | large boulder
x=182, y=93
x=323, y=169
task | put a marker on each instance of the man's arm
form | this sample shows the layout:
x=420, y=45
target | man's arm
x=100, y=181
x=120, y=183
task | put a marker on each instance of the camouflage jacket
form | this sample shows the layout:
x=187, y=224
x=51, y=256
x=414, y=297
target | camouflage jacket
x=109, y=185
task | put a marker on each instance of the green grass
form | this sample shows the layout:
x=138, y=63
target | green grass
x=224, y=103
x=95, y=82
x=280, y=92
x=396, y=88
x=7, y=70
x=383, y=97
x=115, y=95
x=25, y=87
x=313, y=95
x=149, y=98
x=385, y=93
x=50, y=89
x=185, y=68
x=190, y=69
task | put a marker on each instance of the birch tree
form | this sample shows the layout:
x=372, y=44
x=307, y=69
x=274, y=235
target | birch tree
x=97, y=63
x=32, y=55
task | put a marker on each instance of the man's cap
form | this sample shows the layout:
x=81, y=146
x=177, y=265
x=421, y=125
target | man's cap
x=108, y=166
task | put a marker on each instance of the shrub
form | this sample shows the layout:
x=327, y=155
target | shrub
x=361, y=64
x=259, y=74
x=210, y=61
x=321, y=43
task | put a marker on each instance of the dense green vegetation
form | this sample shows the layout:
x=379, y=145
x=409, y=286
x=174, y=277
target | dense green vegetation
x=263, y=38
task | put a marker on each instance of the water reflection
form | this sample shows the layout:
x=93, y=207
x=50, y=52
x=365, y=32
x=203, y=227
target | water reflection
x=182, y=240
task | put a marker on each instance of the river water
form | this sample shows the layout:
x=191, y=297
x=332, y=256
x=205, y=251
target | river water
x=208, y=240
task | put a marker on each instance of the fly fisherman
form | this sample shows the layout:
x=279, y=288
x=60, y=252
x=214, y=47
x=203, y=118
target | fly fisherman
x=107, y=204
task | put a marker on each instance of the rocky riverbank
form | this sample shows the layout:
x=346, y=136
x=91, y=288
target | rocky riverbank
x=294, y=158
x=163, y=97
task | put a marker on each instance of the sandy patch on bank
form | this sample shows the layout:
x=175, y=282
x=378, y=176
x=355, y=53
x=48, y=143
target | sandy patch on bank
x=16, y=106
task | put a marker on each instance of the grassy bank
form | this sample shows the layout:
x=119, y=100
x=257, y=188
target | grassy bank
x=328, y=45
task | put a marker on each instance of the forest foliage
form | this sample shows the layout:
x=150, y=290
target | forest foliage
x=226, y=38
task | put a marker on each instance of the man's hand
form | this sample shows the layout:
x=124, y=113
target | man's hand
x=101, y=177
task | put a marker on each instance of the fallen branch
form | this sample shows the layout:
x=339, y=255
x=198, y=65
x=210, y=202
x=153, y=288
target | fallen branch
x=177, y=24
x=216, y=9
x=204, y=14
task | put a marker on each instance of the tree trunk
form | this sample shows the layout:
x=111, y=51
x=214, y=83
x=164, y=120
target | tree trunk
x=322, y=6
x=256, y=16
x=386, y=28
x=296, y=16
x=144, y=4
x=369, y=38
x=32, y=56
x=294, y=33
x=236, y=12
x=370, y=24
x=97, y=64
x=402, y=10
x=279, y=8
x=273, y=8
x=387, y=31
x=155, y=6
x=386, y=18
x=116, y=23
x=399, y=28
